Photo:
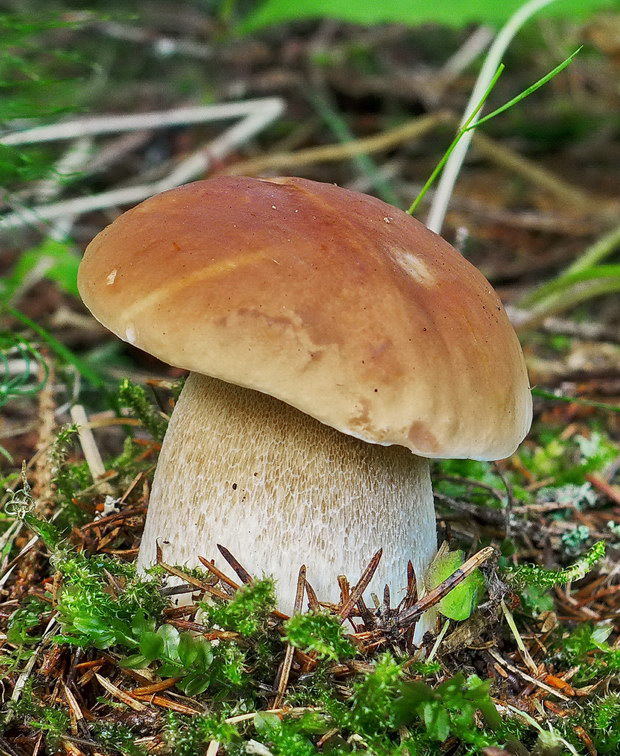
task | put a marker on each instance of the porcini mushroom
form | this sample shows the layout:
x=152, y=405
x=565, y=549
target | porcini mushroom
x=335, y=344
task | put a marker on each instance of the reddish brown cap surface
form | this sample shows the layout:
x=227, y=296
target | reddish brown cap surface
x=335, y=302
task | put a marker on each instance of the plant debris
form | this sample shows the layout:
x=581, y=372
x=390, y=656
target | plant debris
x=99, y=659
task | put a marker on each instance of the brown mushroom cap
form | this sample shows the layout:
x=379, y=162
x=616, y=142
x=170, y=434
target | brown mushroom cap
x=332, y=301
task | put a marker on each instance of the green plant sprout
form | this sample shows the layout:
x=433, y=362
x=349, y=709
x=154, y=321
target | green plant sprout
x=469, y=124
x=531, y=574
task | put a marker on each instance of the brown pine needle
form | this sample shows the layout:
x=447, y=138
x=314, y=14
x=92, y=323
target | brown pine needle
x=120, y=694
x=361, y=586
x=218, y=573
x=285, y=669
x=201, y=585
x=244, y=575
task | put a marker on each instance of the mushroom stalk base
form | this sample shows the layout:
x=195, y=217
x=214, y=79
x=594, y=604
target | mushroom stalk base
x=280, y=489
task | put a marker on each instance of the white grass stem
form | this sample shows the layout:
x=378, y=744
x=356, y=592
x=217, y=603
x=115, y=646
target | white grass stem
x=493, y=59
x=110, y=124
x=258, y=114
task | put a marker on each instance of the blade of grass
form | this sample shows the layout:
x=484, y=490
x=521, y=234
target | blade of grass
x=543, y=394
x=58, y=348
x=597, y=252
x=526, y=92
x=569, y=279
x=570, y=296
x=364, y=163
x=34, y=364
x=471, y=122
x=491, y=62
x=582, y=280
x=468, y=125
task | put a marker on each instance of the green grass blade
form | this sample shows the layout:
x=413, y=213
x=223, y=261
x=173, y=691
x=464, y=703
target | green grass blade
x=58, y=348
x=537, y=85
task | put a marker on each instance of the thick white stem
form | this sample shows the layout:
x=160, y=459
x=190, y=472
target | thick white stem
x=279, y=489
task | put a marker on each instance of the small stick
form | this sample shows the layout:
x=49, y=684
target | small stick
x=120, y=694
x=285, y=669
x=74, y=707
x=329, y=153
x=365, y=613
x=345, y=588
x=256, y=118
x=612, y=492
x=539, y=176
x=111, y=124
x=206, y=587
x=438, y=640
x=146, y=690
x=412, y=587
x=166, y=703
x=90, y=449
x=125, y=514
x=408, y=601
x=387, y=604
x=527, y=677
x=525, y=654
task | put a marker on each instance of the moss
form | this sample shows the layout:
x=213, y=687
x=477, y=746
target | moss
x=320, y=633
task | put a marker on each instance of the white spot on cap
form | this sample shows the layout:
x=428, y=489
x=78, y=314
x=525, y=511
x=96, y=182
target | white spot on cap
x=387, y=219
x=415, y=267
x=130, y=334
x=111, y=277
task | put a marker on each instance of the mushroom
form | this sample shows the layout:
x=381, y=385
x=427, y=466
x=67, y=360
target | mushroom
x=335, y=344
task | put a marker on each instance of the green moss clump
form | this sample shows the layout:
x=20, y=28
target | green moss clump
x=320, y=633
x=247, y=612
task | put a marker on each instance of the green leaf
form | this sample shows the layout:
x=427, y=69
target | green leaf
x=55, y=260
x=436, y=720
x=151, y=645
x=453, y=13
x=140, y=624
x=464, y=598
x=135, y=661
x=170, y=669
x=171, y=639
x=204, y=656
x=187, y=649
x=265, y=720
x=194, y=684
